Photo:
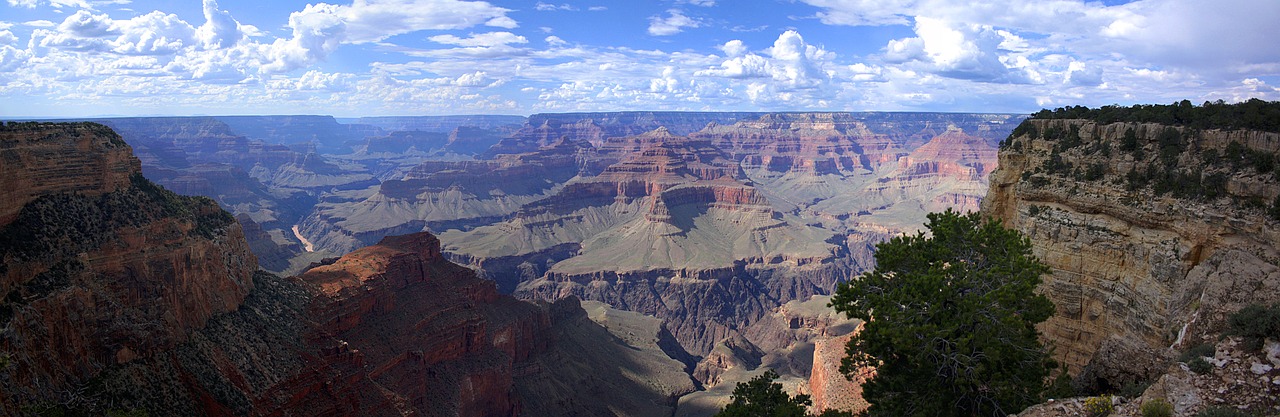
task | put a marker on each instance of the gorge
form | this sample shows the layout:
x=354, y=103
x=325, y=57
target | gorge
x=494, y=265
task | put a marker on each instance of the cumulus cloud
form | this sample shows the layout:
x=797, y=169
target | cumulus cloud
x=733, y=48
x=674, y=23
x=12, y=58
x=219, y=30
x=791, y=63
x=1083, y=75
x=963, y=51
x=155, y=33
x=85, y=24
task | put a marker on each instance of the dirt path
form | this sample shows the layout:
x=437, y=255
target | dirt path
x=306, y=244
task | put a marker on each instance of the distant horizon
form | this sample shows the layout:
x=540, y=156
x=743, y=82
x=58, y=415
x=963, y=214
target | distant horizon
x=351, y=58
x=335, y=117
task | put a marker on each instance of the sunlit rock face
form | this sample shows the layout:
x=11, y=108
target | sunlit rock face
x=121, y=296
x=1136, y=271
x=706, y=220
x=98, y=266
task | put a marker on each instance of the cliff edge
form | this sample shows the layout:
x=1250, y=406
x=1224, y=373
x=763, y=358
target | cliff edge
x=1155, y=232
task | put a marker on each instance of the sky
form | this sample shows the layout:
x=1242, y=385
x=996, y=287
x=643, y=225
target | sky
x=90, y=58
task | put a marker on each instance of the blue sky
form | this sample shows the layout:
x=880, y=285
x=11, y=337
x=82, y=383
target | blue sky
x=80, y=58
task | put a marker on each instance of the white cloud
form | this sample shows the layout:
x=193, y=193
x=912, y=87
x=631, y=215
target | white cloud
x=155, y=33
x=863, y=12
x=317, y=32
x=474, y=79
x=555, y=41
x=58, y=4
x=220, y=30
x=12, y=58
x=799, y=63
x=7, y=37
x=375, y=20
x=702, y=3
x=85, y=24
x=548, y=7
x=39, y=24
x=747, y=66
x=674, y=23
x=502, y=22
x=483, y=39
x=957, y=50
x=1083, y=75
x=733, y=48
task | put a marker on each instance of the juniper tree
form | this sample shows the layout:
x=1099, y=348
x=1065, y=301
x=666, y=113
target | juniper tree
x=950, y=321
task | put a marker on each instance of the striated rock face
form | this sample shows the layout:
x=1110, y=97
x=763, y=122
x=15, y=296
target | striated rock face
x=39, y=159
x=135, y=299
x=438, y=195
x=99, y=266
x=830, y=389
x=1154, y=234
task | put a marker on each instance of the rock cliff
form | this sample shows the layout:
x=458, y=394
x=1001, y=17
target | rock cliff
x=125, y=297
x=99, y=266
x=1154, y=233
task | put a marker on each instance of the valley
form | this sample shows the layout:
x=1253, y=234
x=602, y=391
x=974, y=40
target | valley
x=709, y=222
x=491, y=267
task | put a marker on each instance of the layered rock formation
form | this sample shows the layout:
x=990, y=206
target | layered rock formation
x=125, y=297
x=99, y=266
x=707, y=220
x=1154, y=234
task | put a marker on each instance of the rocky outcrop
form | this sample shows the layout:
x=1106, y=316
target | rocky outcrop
x=129, y=298
x=99, y=266
x=1154, y=233
x=43, y=158
x=1238, y=379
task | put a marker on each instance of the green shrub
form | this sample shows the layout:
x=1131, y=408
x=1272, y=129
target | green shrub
x=1197, y=351
x=1134, y=389
x=1255, y=323
x=1200, y=366
x=1061, y=387
x=1157, y=408
x=1098, y=406
x=1221, y=412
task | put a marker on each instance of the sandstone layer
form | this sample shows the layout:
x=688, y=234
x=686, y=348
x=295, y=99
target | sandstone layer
x=129, y=298
x=1154, y=233
x=99, y=266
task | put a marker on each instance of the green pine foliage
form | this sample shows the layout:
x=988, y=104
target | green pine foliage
x=950, y=321
x=1254, y=114
x=762, y=397
x=1255, y=323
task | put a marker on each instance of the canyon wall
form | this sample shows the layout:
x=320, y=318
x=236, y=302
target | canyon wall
x=1154, y=234
x=121, y=296
x=99, y=266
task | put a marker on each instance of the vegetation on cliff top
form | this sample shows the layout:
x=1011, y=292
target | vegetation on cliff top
x=57, y=227
x=1254, y=114
x=762, y=397
x=950, y=321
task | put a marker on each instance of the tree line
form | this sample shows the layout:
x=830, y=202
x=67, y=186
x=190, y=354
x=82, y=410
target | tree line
x=1254, y=114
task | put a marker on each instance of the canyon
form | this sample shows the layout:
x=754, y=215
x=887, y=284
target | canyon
x=123, y=297
x=708, y=223
x=493, y=265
